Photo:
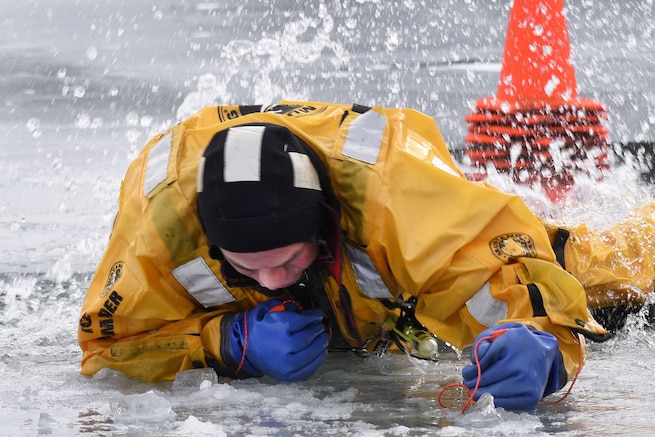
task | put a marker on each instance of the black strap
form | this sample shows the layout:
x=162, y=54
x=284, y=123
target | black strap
x=360, y=109
x=559, y=242
x=538, y=309
x=250, y=109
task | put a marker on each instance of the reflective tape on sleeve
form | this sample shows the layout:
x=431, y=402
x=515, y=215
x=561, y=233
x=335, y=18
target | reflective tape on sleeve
x=364, y=137
x=368, y=278
x=202, y=283
x=485, y=308
x=157, y=164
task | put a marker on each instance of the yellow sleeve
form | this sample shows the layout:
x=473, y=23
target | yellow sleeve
x=617, y=265
x=142, y=322
x=133, y=320
x=138, y=320
x=137, y=316
x=435, y=235
x=543, y=295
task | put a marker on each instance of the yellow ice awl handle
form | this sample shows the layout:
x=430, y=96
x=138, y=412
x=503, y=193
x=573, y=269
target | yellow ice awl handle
x=424, y=344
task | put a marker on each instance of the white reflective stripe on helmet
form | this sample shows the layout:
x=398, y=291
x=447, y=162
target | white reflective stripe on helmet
x=202, y=283
x=243, y=159
x=243, y=154
x=367, y=276
x=304, y=172
x=485, y=308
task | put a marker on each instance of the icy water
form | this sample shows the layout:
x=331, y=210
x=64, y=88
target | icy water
x=84, y=84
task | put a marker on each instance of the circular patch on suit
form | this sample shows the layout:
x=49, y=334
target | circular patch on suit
x=510, y=246
x=114, y=275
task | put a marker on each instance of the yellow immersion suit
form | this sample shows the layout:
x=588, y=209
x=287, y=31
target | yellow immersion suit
x=412, y=226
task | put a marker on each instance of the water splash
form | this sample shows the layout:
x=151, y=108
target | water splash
x=596, y=203
x=265, y=70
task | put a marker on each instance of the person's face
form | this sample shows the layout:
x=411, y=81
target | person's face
x=275, y=268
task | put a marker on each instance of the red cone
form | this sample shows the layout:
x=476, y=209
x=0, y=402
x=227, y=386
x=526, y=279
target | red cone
x=536, y=127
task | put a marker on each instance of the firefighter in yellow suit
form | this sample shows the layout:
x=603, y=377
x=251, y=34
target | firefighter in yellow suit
x=408, y=241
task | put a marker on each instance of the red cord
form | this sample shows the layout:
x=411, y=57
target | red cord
x=274, y=309
x=281, y=307
x=245, y=342
x=470, y=401
x=575, y=378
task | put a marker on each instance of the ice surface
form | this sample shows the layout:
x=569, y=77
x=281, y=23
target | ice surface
x=141, y=408
x=195, y=378
x=83, y=86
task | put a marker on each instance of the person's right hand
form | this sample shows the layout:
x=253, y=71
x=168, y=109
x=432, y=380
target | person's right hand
x=280, y=340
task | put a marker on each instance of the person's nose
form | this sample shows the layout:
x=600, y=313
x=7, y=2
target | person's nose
x=273, y=278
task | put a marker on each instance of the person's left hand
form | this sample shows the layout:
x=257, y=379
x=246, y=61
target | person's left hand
x=519, y=366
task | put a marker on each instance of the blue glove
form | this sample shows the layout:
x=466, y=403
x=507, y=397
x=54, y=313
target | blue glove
x=519, y=366
x=283, y=342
